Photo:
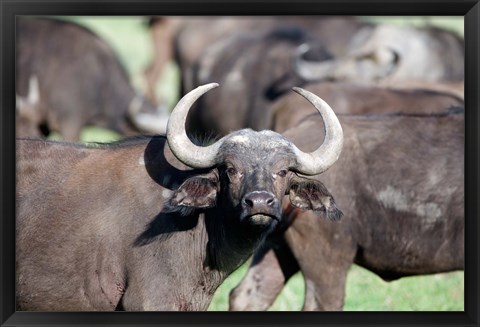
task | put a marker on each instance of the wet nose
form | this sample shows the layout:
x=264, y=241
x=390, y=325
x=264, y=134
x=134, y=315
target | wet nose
x=258, y=200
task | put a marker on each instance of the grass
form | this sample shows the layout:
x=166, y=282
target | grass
x=290, y=299
x=365, y=291
x=440, y=292
x=92, y=134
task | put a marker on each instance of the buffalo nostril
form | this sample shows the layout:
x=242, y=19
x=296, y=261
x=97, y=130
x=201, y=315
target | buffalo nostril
x=259, y=199
x=248, y=202
x=271, y=202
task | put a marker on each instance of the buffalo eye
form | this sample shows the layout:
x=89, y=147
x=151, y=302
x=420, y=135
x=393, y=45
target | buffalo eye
x=282, y=173
x=233, y=174
x=231, y=171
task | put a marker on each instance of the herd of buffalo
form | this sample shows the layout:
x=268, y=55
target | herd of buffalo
x=330, y=141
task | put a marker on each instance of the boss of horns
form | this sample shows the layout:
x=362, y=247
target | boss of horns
x=195, y=156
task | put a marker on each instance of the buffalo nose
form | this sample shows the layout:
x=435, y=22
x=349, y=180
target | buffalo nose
x=259, y=199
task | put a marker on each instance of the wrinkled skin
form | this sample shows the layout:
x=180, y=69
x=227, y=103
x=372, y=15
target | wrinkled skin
x=402, y=195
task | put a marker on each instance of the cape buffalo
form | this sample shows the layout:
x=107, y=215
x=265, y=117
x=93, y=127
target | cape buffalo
x=392, y=53
x=80, y=81
x=254, y=69
x=400, y=184
x=156, y=223
x=196, y=35
x=349, y=98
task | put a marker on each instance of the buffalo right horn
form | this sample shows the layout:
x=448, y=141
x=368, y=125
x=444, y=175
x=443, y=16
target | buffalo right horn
x=178, y=141
x=325, y=156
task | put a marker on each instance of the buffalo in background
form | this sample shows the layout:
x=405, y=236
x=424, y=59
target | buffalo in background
x=399, y=184
x=386, y=55
x=244, y=49
x=254, y=63
x=257, y=59
x=198, y=34
x=350, y=98
x=78, y=81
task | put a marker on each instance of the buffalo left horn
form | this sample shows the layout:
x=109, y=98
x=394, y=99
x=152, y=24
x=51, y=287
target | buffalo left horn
x=325, y=156
x=178, y=141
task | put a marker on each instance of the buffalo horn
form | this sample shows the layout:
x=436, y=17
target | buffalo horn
x=325, y=156
x=181, y=146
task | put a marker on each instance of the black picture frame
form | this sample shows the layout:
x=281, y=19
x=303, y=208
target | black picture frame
x=470, y=9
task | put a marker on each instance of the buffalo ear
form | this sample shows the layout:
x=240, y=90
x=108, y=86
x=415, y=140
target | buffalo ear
x=195, y=193
x=309, y=194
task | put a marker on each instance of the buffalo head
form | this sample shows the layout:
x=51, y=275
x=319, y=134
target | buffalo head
x=390, y=53
x=251, y=171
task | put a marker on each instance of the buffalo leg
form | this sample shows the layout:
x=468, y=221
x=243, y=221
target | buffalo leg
x=70, y=130
x=324, y=253
x=271, y=268
x=162, y=33
x=320, y=296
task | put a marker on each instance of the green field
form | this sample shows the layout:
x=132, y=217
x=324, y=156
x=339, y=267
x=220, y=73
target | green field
x=365, y=291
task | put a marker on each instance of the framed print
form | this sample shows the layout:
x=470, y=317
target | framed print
x=98, y=220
